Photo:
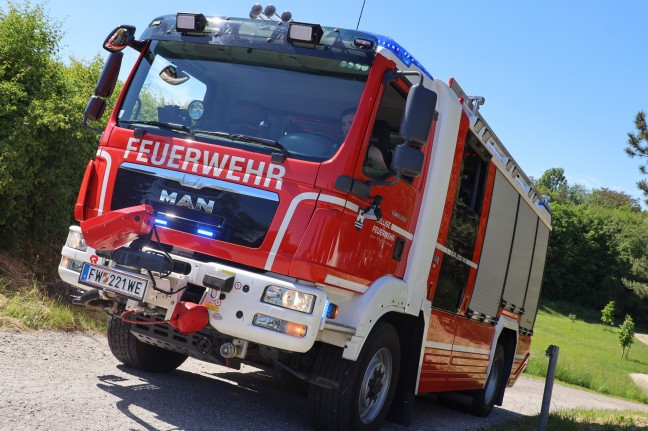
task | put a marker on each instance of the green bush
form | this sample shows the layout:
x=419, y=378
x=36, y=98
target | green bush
x=43, y=145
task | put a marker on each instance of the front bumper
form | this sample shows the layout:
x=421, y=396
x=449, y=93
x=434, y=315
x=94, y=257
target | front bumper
x=231, y=314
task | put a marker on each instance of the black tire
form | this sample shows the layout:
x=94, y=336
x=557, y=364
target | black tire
x=366, y=386
x=136, y=354
x=484, y=400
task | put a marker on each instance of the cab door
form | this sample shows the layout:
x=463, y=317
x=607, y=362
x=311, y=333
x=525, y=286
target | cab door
x=389, y=238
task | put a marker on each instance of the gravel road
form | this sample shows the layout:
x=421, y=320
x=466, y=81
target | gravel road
x=62, y=381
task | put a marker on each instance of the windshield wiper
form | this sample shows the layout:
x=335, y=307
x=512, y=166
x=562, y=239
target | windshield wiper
x=246, y=138
x=161, y=124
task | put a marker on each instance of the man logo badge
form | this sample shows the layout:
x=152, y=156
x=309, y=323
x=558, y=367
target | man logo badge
x=187, y=201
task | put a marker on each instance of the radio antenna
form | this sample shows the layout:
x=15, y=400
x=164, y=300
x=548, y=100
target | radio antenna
x=361, y=10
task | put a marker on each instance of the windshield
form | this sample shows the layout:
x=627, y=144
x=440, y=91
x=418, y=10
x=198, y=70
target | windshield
x=223, y=94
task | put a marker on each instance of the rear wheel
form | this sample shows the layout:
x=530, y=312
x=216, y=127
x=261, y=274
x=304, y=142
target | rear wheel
x=484, y=400
x=366, y=387
x=132, y=352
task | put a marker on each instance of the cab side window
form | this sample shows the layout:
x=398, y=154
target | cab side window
x=385, y=134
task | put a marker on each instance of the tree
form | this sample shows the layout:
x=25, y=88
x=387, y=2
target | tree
x=638, y=146
x=613, y=199
x=554, y=184
x=626, y=335
x=553, y=179
x=607, y=314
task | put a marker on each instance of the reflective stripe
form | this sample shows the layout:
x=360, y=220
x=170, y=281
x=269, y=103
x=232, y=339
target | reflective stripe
x=284, y=225
x=456, y=348
x=291, y=211
x=102, y=197
x=456, y=256
x=402, y=232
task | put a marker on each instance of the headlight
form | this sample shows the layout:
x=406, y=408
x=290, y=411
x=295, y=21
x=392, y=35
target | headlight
x=289, y=298
x=74, y=265
x=75, y=240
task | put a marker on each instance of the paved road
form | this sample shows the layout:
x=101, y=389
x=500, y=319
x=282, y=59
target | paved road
x=59, y=381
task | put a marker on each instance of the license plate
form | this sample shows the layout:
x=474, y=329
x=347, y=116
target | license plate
x=113, y=280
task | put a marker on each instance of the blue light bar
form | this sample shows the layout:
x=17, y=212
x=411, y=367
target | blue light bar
x=401, y=53
x=205, y=232
x=161, y=222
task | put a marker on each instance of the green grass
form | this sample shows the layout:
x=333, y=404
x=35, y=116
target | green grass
x=29, y=307
x=580, y=420
x=590, y=356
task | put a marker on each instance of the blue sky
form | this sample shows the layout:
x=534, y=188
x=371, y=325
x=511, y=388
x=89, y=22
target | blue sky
x=563, y=80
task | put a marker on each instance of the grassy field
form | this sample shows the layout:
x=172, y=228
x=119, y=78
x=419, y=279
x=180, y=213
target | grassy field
x=580, y=420
x=590, y=356
x=28, y=306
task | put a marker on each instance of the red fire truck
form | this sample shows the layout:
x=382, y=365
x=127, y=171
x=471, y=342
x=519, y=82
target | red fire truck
x=308, y=199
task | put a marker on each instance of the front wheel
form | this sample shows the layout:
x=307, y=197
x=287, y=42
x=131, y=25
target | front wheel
x=366, y=387
x=136, y=354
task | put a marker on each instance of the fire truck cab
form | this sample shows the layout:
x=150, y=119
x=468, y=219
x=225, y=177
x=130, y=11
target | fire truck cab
x=307, y=199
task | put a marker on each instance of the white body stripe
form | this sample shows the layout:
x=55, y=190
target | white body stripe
x=344, y=283
x=291, y=211
x=402, y=232
x=284, y=225
x=102, y=197
x=457, y=348
x=451, y=253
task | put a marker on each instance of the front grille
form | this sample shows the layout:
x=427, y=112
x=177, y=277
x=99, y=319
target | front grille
x=232, y=213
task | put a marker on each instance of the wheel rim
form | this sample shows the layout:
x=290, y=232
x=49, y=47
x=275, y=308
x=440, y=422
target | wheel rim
x=493, y=379
x=375, y=385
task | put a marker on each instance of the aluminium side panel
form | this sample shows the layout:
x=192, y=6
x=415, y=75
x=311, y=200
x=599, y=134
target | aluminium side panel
x=520, y=263
x=535, y=279
x=491, y=272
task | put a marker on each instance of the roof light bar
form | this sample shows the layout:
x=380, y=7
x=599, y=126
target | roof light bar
x=401, y=53
x=190, y=22
x=301, y=32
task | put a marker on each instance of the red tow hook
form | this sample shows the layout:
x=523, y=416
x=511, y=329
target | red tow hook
x=189, y=317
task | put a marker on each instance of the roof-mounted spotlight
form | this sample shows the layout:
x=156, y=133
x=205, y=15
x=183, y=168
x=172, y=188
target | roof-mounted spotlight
x=269, y=12
x=301, y=32
x=190, y=22
x=256, y=11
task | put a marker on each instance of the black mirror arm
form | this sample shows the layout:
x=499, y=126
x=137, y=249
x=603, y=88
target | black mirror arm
x=89, y=127
x=392, y=75
x=386, y=183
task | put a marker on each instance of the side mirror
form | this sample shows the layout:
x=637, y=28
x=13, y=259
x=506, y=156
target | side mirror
x=407, y=160
x=93, y=111
x=418, y=115
x=95, y=108
x=109, y=75
x=119, y=38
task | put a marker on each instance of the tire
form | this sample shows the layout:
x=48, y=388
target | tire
x=484, y=400
x=134, y=353
x=366, y=386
